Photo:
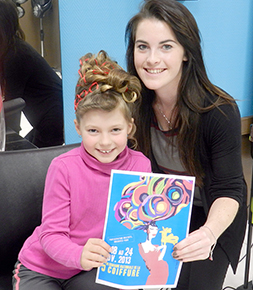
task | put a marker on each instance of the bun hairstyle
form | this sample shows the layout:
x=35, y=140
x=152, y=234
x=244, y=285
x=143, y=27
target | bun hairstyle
x=104, y=85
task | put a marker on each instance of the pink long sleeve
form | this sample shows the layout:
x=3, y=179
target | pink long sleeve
x=74, y=208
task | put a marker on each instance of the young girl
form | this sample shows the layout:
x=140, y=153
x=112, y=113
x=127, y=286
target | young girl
x=65, y=250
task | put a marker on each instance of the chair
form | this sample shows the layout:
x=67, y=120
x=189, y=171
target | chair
x=22, y=176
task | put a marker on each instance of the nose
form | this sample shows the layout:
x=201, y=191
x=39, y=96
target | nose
x=105, y=139
x=153, y=57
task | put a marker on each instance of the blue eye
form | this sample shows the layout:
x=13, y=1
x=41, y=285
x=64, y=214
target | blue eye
x=142, y=47
x=167, y=46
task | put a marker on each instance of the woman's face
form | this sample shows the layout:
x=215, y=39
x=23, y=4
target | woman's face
x=158, y=56
x=152, y=231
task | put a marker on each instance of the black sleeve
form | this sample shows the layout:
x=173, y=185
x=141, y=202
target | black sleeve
x=222, y=139
x=18, y=69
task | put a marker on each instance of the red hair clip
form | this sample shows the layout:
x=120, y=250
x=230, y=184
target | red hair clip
x=92, y=85
x=79, y=97
x=81, y=76
x=84, y=93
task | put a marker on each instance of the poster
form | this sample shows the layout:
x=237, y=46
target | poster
x=147, y=214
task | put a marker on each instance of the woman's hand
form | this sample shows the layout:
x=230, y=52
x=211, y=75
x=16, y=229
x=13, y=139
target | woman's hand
x=197, y=246
x=95, y=253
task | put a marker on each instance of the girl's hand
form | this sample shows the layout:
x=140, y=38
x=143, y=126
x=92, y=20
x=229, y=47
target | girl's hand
x=197, y=246
x=95, y=253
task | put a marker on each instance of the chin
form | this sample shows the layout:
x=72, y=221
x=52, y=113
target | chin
x=152, y=87
x=106, y=160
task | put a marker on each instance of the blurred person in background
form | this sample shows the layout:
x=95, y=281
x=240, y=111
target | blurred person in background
x=25, y=74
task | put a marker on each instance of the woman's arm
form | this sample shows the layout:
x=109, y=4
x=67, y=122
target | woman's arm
x=222, y=140
x=197, y=246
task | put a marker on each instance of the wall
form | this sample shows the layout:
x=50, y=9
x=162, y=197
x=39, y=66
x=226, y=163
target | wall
x=226, y=27
x=89, y=26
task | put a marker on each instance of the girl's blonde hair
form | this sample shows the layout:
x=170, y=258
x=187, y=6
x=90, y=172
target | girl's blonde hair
x=104, y=85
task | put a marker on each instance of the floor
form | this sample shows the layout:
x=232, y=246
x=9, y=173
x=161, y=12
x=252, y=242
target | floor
x=231, y=281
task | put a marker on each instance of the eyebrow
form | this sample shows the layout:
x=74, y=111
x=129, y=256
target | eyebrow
x=162, y=42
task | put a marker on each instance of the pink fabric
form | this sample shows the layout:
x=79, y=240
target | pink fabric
x=17, y=277
x=74, y=207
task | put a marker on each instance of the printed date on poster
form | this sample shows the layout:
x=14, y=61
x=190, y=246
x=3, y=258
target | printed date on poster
x=124, y=256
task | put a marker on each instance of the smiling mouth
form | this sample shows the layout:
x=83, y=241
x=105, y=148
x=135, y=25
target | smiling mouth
x=105, y=151
x=154, y=71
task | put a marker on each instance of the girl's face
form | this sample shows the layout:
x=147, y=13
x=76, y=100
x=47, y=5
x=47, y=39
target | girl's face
x=104, y=134
x=158, y=56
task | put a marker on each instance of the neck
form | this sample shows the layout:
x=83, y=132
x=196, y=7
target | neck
x=167, y=97
x=165, y=113
x=166, y=102
x=148, y=241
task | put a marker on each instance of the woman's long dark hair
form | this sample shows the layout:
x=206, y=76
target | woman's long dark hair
x=9, y=31
x=193, y=87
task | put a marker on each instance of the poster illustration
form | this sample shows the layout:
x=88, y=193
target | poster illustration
x=147, y=214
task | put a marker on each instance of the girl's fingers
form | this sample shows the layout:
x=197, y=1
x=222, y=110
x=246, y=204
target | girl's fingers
x=95, y=253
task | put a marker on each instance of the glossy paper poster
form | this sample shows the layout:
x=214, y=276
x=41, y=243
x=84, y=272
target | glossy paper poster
x=147, y=214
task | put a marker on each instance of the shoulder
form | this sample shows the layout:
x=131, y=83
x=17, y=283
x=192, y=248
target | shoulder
x=22, y=57
x=21, y=49
x=138, y=155
x=228, y=113
x=67, y=158
x=220, y=131
x=225, y=116
x=224, y=108
x=25, y=47
x=138, y=161
x=24, y=52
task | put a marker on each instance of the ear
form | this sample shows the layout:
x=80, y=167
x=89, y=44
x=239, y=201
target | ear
x=77, y=126
x=130, y=126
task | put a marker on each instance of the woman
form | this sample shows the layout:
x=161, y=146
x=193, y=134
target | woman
x=24, y=73
x=190, y=127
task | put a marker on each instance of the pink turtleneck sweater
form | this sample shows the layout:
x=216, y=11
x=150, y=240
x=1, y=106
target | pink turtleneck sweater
x=74, y=208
